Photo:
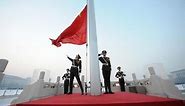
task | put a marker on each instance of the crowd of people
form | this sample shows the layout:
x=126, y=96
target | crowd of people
x=76, y=68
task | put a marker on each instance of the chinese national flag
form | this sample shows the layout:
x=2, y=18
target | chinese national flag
x=76, y=33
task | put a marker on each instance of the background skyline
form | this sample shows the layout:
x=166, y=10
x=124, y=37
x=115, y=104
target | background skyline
x=134, y=33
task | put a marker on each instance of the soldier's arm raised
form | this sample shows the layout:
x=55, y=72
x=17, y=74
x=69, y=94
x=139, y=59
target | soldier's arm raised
x=70, y=58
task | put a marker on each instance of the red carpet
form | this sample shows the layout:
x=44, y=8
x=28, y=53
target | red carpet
x=117, y=99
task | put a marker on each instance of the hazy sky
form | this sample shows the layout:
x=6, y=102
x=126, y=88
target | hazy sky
x=134, y=33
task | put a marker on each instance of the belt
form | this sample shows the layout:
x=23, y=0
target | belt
x=105, y=64
x=74, y=66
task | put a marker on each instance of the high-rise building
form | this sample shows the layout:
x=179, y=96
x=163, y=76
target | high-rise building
x=179, y=76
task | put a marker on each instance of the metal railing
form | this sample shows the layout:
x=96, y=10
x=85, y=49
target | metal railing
x=10, y=91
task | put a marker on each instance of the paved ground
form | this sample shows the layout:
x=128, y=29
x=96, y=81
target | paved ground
x=6, y=100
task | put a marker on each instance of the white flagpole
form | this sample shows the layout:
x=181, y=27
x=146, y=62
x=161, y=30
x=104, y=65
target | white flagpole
x=93, y=50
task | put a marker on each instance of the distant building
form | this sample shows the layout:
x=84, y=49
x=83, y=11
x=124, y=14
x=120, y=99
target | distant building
x=179, y=76
x=10, y=81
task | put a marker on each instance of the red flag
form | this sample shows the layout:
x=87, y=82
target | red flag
x=76, y=33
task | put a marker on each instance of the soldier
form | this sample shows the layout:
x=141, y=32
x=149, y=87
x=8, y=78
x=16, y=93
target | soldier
x=74, y=72
x=121, y=75
x=66, y=77
x=106, y=71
